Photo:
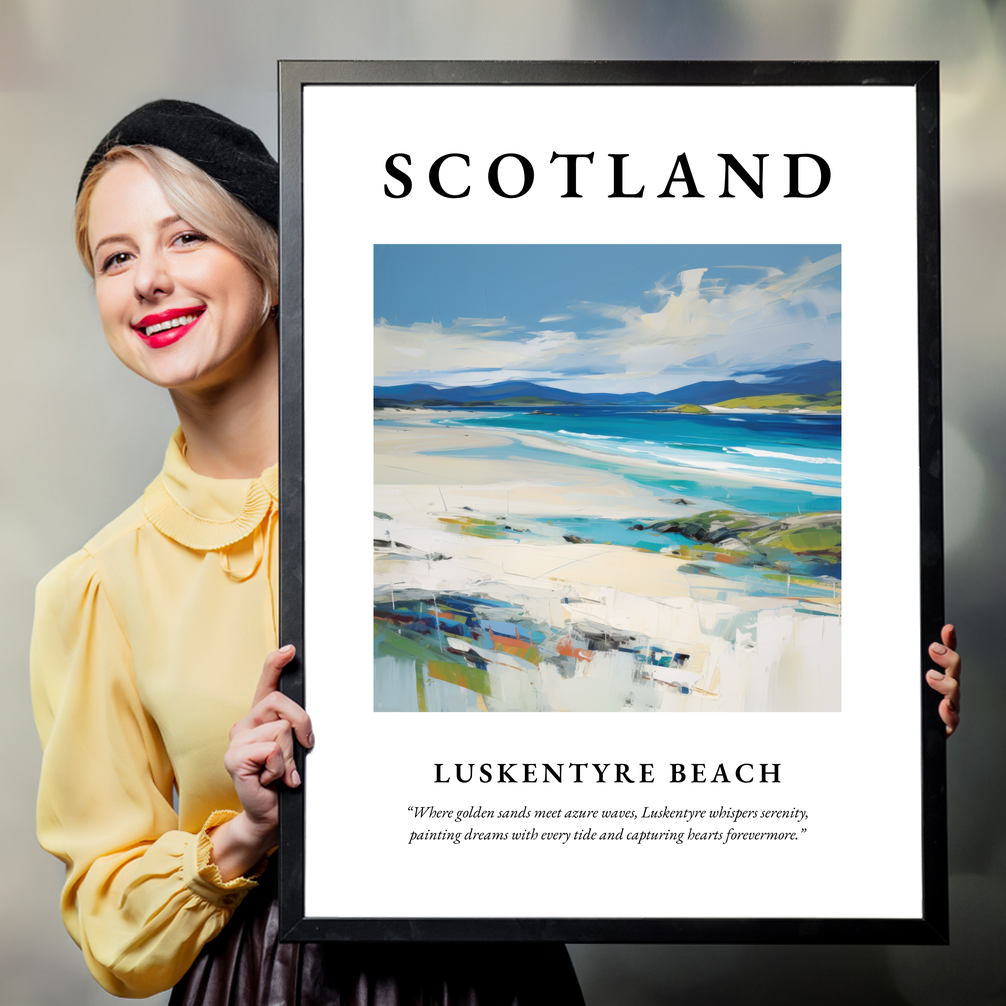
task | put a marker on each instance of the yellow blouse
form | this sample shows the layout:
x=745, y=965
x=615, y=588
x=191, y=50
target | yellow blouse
x=147, y=647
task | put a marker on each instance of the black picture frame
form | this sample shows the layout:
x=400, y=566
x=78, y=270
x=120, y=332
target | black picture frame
x=932, y=925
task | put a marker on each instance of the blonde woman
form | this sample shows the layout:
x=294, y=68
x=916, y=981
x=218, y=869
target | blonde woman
x=154, y=660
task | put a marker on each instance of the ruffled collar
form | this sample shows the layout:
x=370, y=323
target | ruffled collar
x=203, y=513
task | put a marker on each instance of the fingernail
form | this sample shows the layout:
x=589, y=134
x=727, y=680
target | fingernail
x=938, y=648
x=936, y=675
x=287, y=649
x=295, y=777
x=310, y=740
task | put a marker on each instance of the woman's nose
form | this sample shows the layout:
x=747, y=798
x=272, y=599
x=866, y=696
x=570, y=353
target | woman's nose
x=152, y=277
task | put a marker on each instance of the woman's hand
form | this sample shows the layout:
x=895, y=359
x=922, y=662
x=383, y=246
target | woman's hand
x=947, y=682
x=260, y=753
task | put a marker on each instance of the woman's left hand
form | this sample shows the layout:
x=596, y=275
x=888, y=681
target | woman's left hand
x=947, y=682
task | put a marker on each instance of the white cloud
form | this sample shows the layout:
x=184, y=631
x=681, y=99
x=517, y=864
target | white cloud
x=698, y=330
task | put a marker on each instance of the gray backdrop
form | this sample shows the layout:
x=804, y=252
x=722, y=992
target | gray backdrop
x=83, y=436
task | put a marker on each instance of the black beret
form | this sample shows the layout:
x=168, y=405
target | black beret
x=231, y=154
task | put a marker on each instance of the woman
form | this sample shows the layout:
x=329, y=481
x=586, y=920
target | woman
x=148, y=643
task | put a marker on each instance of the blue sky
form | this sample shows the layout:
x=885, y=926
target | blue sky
x=602, y=317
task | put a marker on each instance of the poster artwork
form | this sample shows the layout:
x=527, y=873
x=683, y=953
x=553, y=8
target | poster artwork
x=607, y=477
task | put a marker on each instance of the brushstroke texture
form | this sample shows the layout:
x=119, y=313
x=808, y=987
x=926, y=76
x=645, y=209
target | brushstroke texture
x=570, y=521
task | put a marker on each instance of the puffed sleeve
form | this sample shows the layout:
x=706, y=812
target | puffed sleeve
x=141, y=898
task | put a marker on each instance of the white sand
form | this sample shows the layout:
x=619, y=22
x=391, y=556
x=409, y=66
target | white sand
x=777, y=658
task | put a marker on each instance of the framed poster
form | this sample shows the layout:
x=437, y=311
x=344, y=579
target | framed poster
x=608, y=356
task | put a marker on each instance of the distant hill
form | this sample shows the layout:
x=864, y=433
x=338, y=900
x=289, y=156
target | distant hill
x=818, y=378
x=486, y=394
x=831, y=402
x=694, y=410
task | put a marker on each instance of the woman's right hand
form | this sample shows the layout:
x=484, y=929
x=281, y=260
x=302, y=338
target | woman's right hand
x=260, y=753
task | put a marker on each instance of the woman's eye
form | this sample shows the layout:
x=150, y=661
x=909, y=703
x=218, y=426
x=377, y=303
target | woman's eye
x=114, y=261
x=190, y=238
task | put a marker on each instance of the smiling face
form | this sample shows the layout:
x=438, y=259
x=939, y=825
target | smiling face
x=177, y=307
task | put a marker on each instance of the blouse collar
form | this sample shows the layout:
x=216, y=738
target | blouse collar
x=204, y=513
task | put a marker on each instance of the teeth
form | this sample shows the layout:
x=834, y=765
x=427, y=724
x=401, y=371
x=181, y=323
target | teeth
x=174, y=323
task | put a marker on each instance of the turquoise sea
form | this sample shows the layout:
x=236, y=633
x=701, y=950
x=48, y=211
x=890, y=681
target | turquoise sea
x=797, y=458
x=805, y=450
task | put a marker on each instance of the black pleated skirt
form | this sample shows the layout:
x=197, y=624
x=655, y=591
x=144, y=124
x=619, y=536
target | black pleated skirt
x=246, y=965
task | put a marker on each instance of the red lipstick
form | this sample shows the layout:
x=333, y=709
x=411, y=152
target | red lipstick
x=166, y=328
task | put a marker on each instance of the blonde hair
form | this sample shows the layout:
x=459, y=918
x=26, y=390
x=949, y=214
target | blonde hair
x=199, y=200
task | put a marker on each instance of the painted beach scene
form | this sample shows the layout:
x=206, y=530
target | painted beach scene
x=607, y=478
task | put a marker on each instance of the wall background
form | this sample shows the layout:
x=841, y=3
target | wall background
x=82, y=436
